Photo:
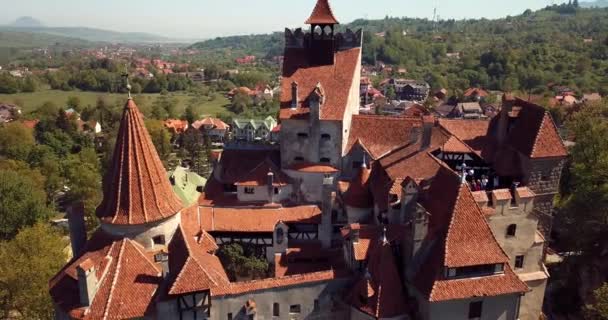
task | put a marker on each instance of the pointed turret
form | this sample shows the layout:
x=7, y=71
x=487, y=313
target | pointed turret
x=136, y=188
x=322, y=14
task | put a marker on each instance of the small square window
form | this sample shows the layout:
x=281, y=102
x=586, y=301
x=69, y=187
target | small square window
x=325, y=136
x=294, y=308
x=519, y=262
x=302, y=135
x=475, y=309
x=325, y=160
x=276, y=190
x=249, y=190
x=229, y=317
x=298, y=159
x=451, y=272
x=159, y=240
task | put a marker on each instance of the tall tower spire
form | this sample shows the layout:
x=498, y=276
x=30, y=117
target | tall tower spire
x=322, y=14
x=136, y=188
x=322, y=26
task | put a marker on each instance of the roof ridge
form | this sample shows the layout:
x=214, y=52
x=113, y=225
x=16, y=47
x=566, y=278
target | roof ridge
x=115, y=279
x=449, y=231
x=537, y=135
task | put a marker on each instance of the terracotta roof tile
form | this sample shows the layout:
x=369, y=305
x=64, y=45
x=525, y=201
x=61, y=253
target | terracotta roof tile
x=336, y=79
x=312, y=167
x=136, y=188
x=256, y=219
x=480, y=196
x=474, y=133
x=128, y=280
x=372, y=233
x=358, y=194
x=379, y=135
x=176, y=125
x=534, y=133
x=383, y=290
x=475, y=91
x=233, y=167
x=322, y=14
x=259, y=175
x=502, y=194
x=525, y=192
x=455, y=145
x=213, y=123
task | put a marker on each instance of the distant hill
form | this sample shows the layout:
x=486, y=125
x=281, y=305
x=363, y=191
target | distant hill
x=24, y=40
x=27, y=22
x=595, y=4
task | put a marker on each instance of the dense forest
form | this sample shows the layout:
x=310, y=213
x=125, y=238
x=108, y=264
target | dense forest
x=561, y=44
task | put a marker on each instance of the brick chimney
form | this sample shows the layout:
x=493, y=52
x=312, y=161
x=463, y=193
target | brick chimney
x=427, y=131
x=270, y=182
x=87, y=282
x=78, y=232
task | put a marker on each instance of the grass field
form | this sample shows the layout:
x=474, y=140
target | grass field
x=31, y=101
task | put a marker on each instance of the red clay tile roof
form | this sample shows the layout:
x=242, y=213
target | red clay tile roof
x=525, y=192
x=336, y=79
x=256, y=219
x=128, y=280
x=176, y=125
x=196, y=269
x=214, y=123
x=502, y=194
x=474, y=133
x=322, y=14
x=455, y=145
x=259, y=175
x=136, y=188
x=387, y=298
x=379, y=135
x=312, y=168
x=30, y=123
x=372, y=233
x=463, y=239
x=478, y=91
x=234, y=164
x=358, y=194
x=534, y=133
x=480, y=196
x=307, y=259
x=279, y=282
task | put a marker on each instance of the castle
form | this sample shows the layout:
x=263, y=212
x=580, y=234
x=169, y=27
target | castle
x=360, y=217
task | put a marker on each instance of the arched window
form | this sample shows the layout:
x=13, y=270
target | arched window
x=511, y=229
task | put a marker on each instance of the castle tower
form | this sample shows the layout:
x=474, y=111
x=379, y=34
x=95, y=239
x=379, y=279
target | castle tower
x=322, y=24
x=138, y=200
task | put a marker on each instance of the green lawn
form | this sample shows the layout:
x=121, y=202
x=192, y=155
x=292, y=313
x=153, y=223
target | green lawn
x=31, y=101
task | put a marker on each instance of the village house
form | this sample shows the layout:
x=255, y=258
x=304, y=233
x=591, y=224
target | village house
x=9, y=112
x=475, y=94
x=213, y=128
x=358, y=216
x=176, y=126
x=251, y=130
x=408, y=90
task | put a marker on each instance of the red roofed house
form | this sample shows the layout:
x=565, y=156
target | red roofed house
x=214, y=128
x=359, y=216
x=176, y=126
x=475, y=93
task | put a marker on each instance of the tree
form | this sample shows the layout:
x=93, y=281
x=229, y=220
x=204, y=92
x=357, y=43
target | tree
x=74, y=103
x=30, y=84
x=598, y=309
x=27, y=262
x=83, y=179
x=160, y=137
x=16, y=141
x=189, y=114
x=239, y=260
x=22, y=204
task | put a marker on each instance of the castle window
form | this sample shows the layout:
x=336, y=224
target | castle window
x=316, y=306
x=294, y=308
x=519, y=262
x=475, y=309
x=275, y=310
x=298, y=159
x=325, y=136
x=276, y=190
x=511, y=229
x=249, y=190
x=302, y=135
x=159, y=240
x=325, y=160
x=229, y=317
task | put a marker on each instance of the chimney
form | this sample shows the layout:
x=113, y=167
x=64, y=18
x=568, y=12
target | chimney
x=328, y=197
x=354, y=232
x=78, y=231
x=294, y=95
x=163, y=259
x=427, y=131
x=270, y=182
x=87, y=282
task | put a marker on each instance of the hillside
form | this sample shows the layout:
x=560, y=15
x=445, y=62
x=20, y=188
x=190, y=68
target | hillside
x=559, y=44
x=595, y=4
x=27, y=22
x=25, y=40
x=89, y=34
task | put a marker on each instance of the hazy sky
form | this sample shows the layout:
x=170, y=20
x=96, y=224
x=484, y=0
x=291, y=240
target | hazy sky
x=209, y=18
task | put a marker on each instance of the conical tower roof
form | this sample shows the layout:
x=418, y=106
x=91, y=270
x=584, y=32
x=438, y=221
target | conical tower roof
x=322, y=14
x=136, y=188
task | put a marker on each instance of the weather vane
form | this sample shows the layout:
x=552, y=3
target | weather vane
x=126, y=76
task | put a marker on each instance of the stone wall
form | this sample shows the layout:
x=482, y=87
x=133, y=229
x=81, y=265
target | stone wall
x=144, y=233
x=299, y=146
x=303, y=295
x=493, y=308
